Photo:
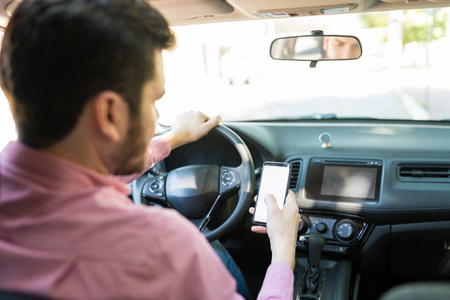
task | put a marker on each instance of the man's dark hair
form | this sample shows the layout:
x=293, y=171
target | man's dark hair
x=59, y=54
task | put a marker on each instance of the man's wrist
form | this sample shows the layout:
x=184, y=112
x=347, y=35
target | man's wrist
x=286, y=256
x=174, y=139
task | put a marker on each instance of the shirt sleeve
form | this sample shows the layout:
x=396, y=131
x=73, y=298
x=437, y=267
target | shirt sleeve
x=278, y=283
x=158, y=149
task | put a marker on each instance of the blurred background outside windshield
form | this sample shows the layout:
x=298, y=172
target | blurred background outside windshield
x=225, y=69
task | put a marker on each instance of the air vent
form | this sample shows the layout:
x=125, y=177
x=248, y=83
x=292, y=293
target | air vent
x=295, y=174
x=424, y=172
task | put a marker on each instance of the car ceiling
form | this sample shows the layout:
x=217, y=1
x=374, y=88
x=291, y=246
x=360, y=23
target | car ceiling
x=184, y=12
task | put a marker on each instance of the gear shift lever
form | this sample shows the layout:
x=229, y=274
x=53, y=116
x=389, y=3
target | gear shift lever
x=314, y=244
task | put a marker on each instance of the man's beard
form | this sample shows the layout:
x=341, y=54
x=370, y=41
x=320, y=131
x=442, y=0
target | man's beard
x=130, y=155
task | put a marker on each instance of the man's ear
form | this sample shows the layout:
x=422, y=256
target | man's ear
x=111, y=115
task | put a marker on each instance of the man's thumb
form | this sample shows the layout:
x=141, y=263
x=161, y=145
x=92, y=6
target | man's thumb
x=271, y=202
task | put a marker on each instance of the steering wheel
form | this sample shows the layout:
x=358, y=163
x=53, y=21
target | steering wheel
x=196, y=191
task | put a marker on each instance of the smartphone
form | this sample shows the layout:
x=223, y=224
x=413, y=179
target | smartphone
x=274, y=180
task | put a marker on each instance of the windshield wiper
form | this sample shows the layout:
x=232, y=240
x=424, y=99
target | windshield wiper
x=329, y=116
x=320, y=117
x=308, y=117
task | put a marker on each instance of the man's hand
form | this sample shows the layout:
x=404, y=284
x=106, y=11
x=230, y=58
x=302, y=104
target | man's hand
x=189, y=127
x=282, y=227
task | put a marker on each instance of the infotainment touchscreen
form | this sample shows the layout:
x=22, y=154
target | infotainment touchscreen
x=343, y=180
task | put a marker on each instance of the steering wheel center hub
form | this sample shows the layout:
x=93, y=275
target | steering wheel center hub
x=192, y=190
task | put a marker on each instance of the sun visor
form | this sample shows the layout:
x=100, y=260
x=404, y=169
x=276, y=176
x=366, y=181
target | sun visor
x=180, y=10
x=297, y=8
x=308, y=11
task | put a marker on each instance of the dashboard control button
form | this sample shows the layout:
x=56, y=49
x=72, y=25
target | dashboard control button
x=154, y=189
x=303, y=225
x=321, y=227
x=156, y=186
x=345, y=230
x=340, y=249
x=228, y=178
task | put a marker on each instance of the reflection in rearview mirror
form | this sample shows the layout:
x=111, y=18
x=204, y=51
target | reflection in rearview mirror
x=315, y=48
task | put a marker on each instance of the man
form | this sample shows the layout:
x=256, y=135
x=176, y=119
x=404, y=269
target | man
x=82, y=78
x=340, y=47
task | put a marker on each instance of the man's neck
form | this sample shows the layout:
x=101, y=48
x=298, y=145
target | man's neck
x=81, y=153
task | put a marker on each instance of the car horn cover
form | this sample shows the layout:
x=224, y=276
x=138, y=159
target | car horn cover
x=192, y=190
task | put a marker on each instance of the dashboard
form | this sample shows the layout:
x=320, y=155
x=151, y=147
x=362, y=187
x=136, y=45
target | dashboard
x=378, y=192
x=407, y=164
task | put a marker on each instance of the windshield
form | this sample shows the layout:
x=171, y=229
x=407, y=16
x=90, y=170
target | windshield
x=226, y=69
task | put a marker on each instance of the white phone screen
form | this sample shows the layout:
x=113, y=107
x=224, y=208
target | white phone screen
x=274, y=180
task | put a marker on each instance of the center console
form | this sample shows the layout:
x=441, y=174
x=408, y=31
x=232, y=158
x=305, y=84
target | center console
x=334, y=181
x=333, y=282
x=343, y=233
x=337, y=181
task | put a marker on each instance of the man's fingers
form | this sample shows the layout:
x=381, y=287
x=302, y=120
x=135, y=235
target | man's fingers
x=210, y=123
x=251, y=210
x=291, y=204
x=271, y=202
x=290, y=199
x=259, y=229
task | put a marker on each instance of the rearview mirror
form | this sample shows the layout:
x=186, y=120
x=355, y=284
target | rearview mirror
x=316, y=48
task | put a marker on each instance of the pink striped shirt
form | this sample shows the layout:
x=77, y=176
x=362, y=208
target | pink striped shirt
x=67, y=232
